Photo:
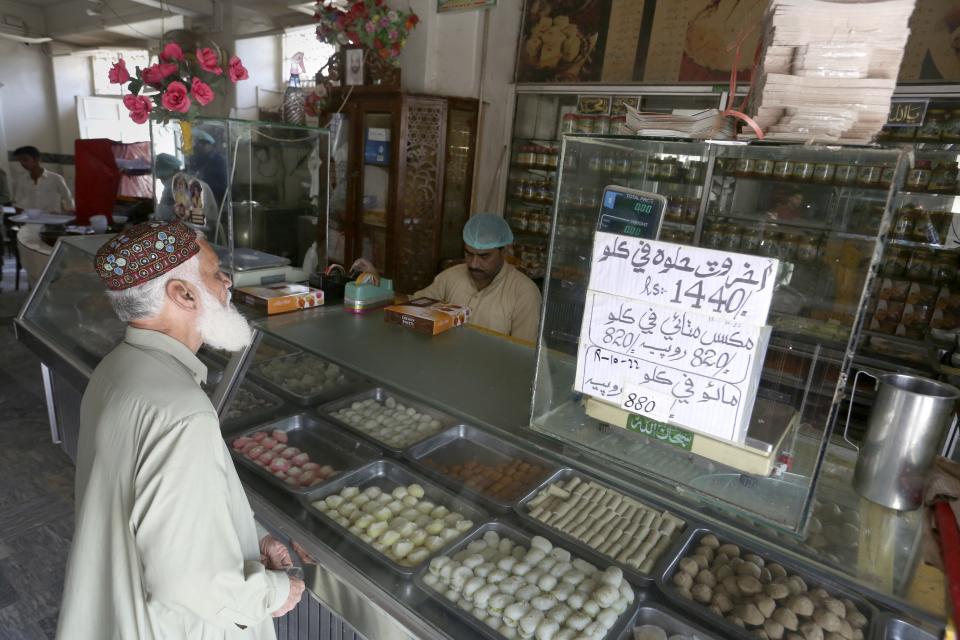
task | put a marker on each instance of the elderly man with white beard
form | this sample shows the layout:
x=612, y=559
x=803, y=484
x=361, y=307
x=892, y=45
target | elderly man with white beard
x=165, y=545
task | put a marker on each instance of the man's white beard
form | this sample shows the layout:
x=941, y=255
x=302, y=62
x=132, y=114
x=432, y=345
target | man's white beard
x=221, y=326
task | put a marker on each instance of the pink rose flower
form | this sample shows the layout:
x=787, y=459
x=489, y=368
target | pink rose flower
x=393, y=34
x=156, y=74
x=175, y=98
x=209, y=61
x=138, y=106
x=237, y=71
x=201, y=92
x=370, y=27
x=118, y=73
x=171, y=52
x=384, y=22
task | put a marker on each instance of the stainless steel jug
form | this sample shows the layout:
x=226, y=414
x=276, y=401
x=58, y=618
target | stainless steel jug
x=905, y=426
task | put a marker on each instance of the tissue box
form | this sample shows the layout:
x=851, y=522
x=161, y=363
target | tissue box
x=279, y=298
x=426, y=315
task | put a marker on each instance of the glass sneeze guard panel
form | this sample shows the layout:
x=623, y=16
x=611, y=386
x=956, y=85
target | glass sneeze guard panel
x=263, y=191
x=821, y=212
x=70, y=303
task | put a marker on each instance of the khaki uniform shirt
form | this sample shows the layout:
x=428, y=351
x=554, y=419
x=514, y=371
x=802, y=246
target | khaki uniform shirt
x=509, y=305
x=165, y=546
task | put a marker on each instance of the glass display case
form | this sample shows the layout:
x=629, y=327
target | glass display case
x=541, y=119
x=820, y=212
x=257, y=189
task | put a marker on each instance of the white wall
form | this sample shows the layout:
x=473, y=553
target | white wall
x=262, y=57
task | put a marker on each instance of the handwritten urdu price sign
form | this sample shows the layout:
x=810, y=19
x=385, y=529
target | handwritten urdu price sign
x=676, y=333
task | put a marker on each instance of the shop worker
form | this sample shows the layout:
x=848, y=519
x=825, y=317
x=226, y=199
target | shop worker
x=39, y=188
x=165, y=545
x=500, y=298
x=208, y=164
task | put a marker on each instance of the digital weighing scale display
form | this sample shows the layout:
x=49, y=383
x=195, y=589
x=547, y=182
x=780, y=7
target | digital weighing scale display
x=629, y=212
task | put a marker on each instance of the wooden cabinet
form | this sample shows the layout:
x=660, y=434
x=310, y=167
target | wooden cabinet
x=401, y=181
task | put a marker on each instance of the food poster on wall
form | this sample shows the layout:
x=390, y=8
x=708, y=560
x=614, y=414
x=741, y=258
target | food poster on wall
x=933, y=50
x=691, y=40
x=563, y=40
x=676, y=333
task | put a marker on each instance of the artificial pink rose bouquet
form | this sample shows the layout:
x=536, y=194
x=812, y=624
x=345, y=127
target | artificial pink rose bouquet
x=371, y=23
x=178, y=85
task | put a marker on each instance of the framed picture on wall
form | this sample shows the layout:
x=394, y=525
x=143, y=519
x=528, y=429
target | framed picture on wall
x=353, y=65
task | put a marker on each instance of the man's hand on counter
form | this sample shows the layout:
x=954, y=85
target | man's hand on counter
x=274, y=554
x=296, y=592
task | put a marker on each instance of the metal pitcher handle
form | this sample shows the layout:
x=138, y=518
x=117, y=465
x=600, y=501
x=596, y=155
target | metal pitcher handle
x=853, y=392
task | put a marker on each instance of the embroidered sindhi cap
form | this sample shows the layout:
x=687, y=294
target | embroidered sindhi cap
x=144, y=252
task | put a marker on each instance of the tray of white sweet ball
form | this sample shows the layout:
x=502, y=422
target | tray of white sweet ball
x=389, y=419
x=506, y=584
x=395, y=515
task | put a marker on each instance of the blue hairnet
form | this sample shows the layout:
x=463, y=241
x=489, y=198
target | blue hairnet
x=487, y=231
x=202, y=136
x=166, y=164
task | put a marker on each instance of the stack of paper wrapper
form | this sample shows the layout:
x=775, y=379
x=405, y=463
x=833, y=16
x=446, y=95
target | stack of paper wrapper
x=702, y=124
x=828, y=68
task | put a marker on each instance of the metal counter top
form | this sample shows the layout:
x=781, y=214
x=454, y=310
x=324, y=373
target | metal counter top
x=478, y=377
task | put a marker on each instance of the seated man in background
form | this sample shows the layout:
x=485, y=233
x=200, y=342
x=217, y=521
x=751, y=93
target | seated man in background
x=499, y=297
x=39, y=188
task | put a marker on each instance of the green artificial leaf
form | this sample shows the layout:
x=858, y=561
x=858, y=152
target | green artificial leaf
x=135, y=86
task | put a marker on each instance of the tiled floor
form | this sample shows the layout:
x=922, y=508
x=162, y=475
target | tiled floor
x=36, y=489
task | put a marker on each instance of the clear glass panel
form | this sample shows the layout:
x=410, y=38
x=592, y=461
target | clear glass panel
x=823, y=228
x=70, y=304
x=258, y=192
x=339, y=167
x=377, y=163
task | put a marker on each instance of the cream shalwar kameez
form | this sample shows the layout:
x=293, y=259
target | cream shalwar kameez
x=165, y=546
x=510, y=304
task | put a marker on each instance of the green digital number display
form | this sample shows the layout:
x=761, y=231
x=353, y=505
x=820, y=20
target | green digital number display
x=630, y=213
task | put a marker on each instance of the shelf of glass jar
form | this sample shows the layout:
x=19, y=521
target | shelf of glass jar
x=611, y=164
x=822, y=174
x=921, y=223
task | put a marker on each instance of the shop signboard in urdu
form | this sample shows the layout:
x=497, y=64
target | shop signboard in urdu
x=676, y=334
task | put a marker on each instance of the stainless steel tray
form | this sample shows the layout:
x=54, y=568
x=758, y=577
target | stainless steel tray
x=462, y=443
x=701, y=612
x=380, y=395
x=350, y=383
x=325, y=443
x=504, y=530
x=635, y=575
x=387, y=475
x=249, y=418
x=897, y=629
x=651, y=612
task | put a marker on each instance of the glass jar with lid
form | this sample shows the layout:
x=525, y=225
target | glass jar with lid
x=752, y=240
x=695, y=171
x=951, y=128
x=923, y=228
x=669, y=169
x=595, y=163
x=902, y=134
x=610, y=163
x=543, y=157
x=886, y=176
x=869, y=176
x=744, y=168
x=674, y=211
x=601, y=125
x=783, y=170
x=803, y=171
x=568, y=123
x=903, y=222
x=918, y=178
x=845, y=174
x=521, y=219
x=943, y=179
x=623, y=165
x=691, y=210
x=763, y=167
x=526, y=156
x=730, y=238
x=808, y=247
x=823, y=173
x=932, y=127
x=790, y=245
x=653, y=168
x=553, y=158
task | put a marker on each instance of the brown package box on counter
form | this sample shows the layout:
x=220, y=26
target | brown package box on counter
x=426, y=315
x=279, y=298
